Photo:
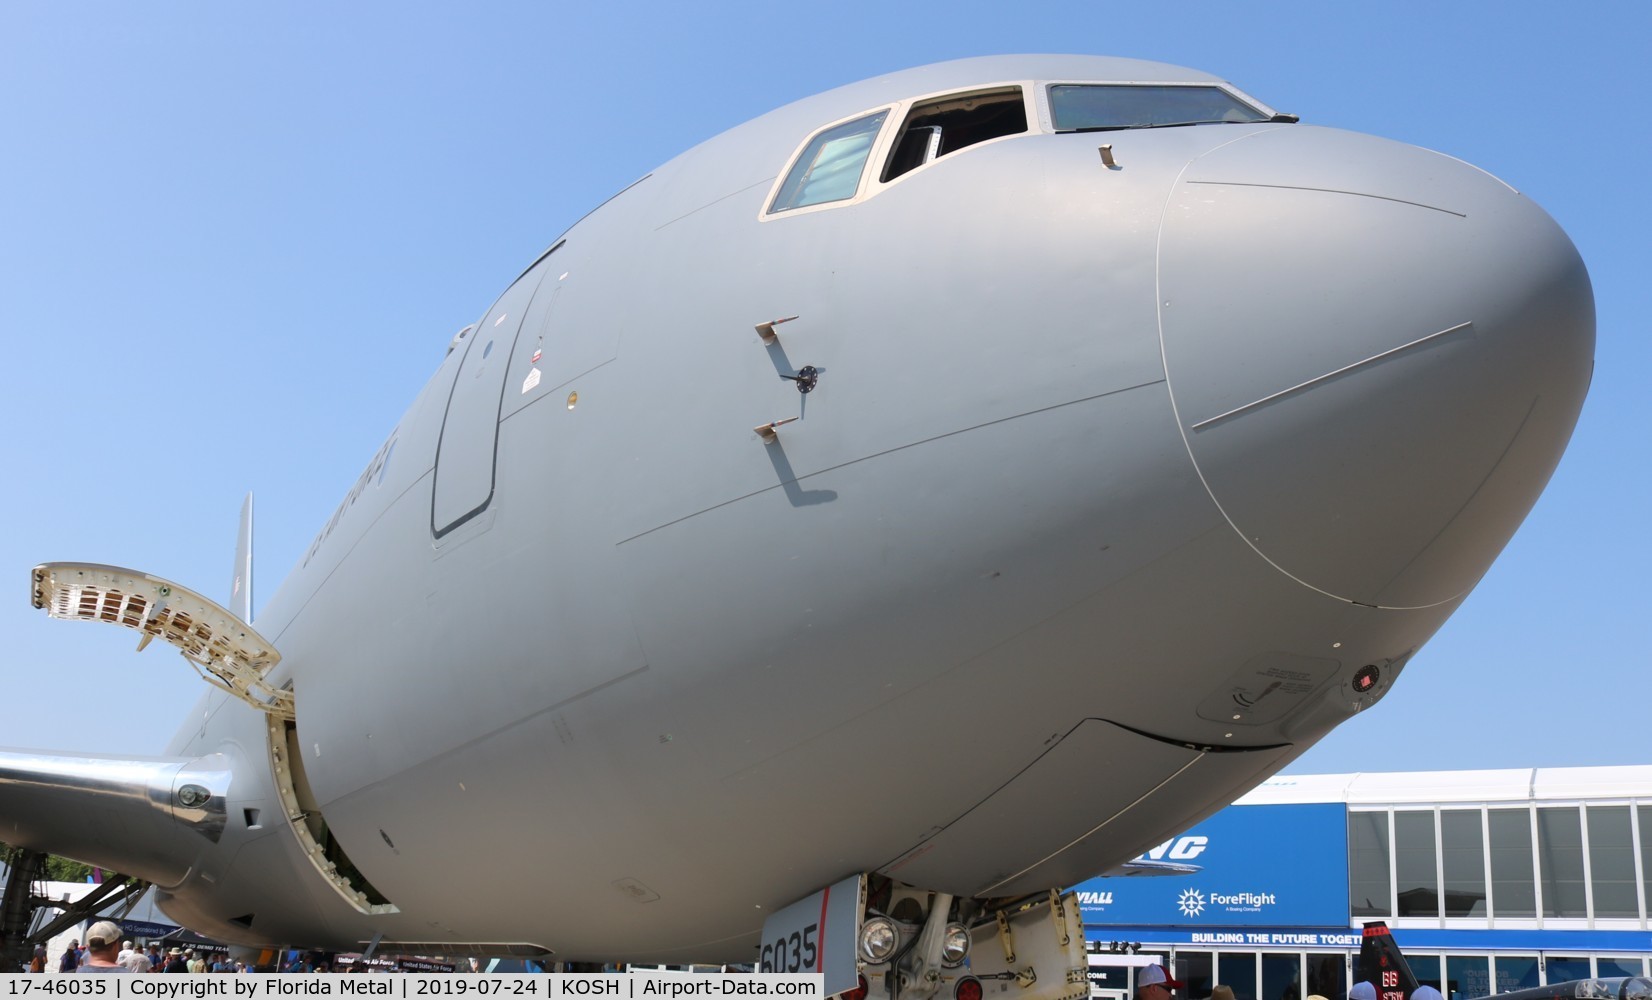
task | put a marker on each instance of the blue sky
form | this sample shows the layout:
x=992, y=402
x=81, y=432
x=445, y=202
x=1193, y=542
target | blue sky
x=235, y=239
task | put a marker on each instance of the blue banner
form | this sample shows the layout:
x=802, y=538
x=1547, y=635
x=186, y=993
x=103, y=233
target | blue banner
x=1410, y=940
x=1271, y=866
x=146, y=929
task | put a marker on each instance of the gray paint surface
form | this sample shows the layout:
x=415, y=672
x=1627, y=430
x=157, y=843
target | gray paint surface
x=980, y=618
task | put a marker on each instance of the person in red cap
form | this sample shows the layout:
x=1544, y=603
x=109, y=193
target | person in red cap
x=1154, y=983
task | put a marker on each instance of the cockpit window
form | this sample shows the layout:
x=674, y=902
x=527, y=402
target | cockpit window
x=830, y=166
x=1097, y=108
x=947, y=124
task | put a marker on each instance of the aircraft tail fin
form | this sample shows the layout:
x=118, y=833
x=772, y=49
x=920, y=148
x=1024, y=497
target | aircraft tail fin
x=240, y=590
x=1382, y=965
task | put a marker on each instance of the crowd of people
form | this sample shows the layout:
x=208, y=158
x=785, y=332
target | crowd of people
x=1155, y=982
x=105, y=951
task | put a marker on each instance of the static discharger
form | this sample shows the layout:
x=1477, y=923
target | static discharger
x=769, y=432
x=766, y=330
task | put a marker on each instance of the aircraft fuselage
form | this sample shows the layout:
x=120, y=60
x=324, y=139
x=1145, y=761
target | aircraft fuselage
x=1127, y=475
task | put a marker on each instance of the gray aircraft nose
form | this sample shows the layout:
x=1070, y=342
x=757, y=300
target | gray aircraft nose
x=1376, y=353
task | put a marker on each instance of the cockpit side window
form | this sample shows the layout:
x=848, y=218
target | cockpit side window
x=947, y=124
x=830, y=166
x=1100, y=108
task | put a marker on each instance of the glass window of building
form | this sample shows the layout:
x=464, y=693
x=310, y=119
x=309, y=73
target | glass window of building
x=1513, y=889
x=1565, y=968
x=1620, y=965
x=1463, y=861
x=1612, y=862
x=1514, y=972
x=1195, y=968
x=1327, y=975
x=1369, y=888
x=1466, y=976
x=1646, y=851
x=1560, y=860
x=1238, y=970
x=1281, y=976
x=1115, y=978
x=1417, y=885
x=1427, y=970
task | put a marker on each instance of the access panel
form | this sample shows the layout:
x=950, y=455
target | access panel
x=470, y=433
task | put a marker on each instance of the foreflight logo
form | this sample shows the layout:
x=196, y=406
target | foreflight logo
x=1191, y=902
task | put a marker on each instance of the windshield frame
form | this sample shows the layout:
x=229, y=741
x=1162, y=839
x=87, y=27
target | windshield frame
x=877, y=125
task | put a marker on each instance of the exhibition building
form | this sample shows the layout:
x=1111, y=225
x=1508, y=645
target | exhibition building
x=1491, y=881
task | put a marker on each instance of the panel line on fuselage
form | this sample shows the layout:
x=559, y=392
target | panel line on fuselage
x=716, y=201
x=985, y=890
x=549, y=392
x=344, y=556
x=891, y=451
x=1469, y=501
x=451, y=751
x=1356, y=194
x=1317, y=379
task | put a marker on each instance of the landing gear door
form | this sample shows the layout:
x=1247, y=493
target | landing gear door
x=817, y=934
x=1034, y=952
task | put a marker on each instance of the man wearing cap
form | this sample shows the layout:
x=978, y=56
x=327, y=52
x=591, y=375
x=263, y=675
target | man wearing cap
x=103, y=948
x=1363, y=990
x=1154, y=983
